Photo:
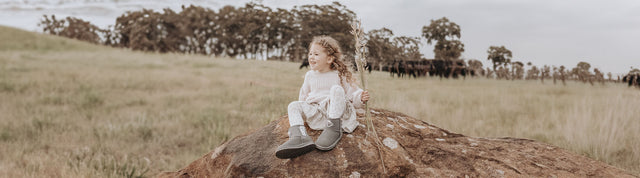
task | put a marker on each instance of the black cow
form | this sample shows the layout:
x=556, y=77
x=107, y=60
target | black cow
x=305, y=63
x=458, y=68
x=439, y=68
x=632, y=80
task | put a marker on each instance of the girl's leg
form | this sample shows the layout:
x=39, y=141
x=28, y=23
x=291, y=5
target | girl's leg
x=338, y=102
x=295, y=113
x=299, y=142
x=331, y=135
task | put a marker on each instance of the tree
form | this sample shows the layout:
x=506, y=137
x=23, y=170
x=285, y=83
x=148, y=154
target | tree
x=554, y=74
x=446, y=35
x=475, y=66
x=489, y=72
x=532, y=73
x=518, y=70
x=562, y=75
x=408, y=48
x=544, y=73
x=201, y=29
x=380, y=45
x=499, y=55
x=584, y=66
x=333, y=20
x=173, y=32
x=71, y=27
x=254, y=28
x=599, y=76
x=139, y=30
x=441, y=30
x=582, y=70
x=281, y=31
x=448, y=50
x=230, y=42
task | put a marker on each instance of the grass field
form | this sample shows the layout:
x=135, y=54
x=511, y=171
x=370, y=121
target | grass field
x=70, y=109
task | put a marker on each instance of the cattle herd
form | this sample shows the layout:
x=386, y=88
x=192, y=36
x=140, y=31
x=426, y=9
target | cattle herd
x=421, y=68
x=460, y=69
x=632, y=79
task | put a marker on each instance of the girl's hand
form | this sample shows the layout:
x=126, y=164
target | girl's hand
x=364, y=97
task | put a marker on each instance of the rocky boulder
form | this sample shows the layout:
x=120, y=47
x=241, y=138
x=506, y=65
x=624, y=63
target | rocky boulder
x=411, y=148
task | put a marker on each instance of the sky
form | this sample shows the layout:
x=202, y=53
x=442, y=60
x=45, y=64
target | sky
x=544, y=32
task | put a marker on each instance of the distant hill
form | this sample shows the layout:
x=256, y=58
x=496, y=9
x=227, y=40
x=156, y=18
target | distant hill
x=16, y=39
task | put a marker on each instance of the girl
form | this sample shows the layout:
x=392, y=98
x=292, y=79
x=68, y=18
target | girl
x=326, y=101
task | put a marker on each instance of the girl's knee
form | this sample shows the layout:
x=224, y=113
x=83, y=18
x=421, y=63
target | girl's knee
x=294, y=105
x=337, y=89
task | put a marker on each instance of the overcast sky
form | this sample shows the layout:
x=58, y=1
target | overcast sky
x=553, y=32
x=605, y=34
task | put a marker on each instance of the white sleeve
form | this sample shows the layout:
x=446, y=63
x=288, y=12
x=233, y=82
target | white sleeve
x=304, y=90
x=355, y=94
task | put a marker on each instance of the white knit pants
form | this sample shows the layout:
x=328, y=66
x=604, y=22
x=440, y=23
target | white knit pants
x=336, y=107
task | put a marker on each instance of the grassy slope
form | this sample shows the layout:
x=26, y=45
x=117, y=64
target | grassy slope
x=75, y=109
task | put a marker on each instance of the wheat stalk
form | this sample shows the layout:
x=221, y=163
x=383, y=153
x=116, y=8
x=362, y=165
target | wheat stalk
x=361, y=61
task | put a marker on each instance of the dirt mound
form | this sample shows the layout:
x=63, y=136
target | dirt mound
x=412, y=148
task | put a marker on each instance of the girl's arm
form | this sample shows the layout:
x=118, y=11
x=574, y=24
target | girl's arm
x=355, y=95
x=304, y=90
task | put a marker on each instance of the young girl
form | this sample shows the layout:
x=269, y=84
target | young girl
x=326, y=101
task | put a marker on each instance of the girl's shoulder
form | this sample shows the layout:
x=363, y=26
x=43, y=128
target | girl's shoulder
x=316, y=73
x=309, y=73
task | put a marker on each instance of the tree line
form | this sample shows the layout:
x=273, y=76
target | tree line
x=505, y=68
x=251, y=31
x=255, y=31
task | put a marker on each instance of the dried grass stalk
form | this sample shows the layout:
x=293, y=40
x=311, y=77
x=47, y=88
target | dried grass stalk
x=361, y=61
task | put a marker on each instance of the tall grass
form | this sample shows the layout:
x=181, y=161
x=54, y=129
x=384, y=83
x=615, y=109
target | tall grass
x=86, y=111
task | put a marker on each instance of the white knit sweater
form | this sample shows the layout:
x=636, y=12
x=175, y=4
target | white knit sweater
x=317, y=87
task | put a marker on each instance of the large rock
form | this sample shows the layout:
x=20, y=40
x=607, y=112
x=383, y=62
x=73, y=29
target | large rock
x=411, y=148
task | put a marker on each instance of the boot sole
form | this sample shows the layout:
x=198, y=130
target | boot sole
x=294, y=152
x=330, y=147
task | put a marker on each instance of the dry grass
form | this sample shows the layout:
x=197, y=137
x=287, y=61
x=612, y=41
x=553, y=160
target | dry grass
x=70, y=109
x=598, y=121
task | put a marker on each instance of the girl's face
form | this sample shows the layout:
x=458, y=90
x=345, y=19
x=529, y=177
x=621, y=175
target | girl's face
x=319, y=60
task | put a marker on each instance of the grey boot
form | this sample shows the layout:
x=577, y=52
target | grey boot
x=298, y=144
x=330, y=136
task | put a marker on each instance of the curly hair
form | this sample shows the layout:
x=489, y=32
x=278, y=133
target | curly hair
x=333, y=49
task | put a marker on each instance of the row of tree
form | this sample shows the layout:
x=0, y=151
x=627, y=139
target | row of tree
x=509, y=71
x=581, y=72
x=259, y=32
x=504, y=68
x=254, y=31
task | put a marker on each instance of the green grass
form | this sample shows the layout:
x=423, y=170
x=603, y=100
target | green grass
x=71, y=109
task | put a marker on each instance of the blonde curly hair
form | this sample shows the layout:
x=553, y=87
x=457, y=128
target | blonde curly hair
x=333, y=49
